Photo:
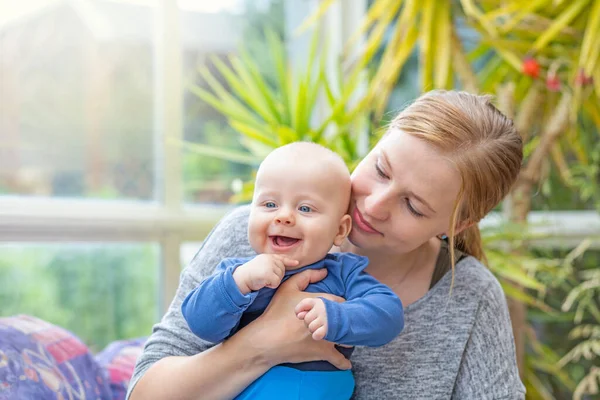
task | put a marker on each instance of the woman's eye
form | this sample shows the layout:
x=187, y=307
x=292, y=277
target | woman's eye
x=412, y=210
x=305, y=209
x=380, y=171
x=270, y=204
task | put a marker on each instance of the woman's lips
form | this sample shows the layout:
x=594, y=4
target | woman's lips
x=361, y=223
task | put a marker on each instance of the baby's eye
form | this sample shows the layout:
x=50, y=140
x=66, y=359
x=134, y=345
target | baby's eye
x=270, y=204
x=305, y=209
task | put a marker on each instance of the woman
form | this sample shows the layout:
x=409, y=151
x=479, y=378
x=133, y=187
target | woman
x=445, y=162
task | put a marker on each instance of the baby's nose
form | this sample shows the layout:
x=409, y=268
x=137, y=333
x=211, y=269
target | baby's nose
x=284, y=219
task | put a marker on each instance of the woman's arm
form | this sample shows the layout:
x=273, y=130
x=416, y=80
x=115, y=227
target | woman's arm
x=489, y=368
x=225, y=370
x=177, y=364
x=220, y=372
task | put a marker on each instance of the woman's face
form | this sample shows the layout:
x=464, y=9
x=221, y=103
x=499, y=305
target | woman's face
x=403, y=194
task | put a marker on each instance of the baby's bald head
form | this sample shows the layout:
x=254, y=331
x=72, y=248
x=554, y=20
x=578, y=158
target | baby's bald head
x=310, y=160
x=300, y=203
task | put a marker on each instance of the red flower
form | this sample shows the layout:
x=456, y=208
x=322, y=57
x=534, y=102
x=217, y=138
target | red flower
x=531, y=67
x=553, y=83
x=582, y=79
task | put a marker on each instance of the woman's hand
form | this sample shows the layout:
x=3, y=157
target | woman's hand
x=281, y=337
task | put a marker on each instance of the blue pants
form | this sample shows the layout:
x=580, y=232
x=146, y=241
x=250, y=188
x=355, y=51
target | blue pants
x=285, y=383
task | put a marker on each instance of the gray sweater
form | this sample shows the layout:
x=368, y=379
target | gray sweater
x=457, y=346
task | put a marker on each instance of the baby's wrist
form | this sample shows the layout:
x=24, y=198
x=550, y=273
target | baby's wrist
x=241, y=280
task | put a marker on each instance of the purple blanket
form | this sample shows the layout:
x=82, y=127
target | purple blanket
x=40, y=361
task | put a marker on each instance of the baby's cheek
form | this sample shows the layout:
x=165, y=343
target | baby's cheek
x=257, y=240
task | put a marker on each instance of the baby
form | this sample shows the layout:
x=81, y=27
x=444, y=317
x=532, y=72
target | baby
x=298, y=212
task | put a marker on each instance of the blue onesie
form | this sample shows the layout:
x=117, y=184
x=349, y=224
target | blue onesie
x=372, y=315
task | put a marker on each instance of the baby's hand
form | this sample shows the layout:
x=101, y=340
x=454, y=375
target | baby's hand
x=314, y=314
x=264, y=270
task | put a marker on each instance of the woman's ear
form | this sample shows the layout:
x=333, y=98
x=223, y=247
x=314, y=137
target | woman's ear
x=461, y=226
x=343, y=230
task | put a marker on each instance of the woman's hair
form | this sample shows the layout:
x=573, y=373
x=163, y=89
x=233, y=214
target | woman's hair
x=481, y=142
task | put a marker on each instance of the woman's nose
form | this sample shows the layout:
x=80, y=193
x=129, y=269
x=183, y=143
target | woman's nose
x=377, y=205
x=285, y=217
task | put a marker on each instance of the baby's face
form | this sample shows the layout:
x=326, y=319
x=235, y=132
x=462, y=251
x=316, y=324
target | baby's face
x=297, y=211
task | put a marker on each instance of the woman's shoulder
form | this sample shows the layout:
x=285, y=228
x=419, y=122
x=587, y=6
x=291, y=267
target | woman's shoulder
x=473, y=279
x=232, y=226
x=468, y=284
x=237, y=216
x=471, y=268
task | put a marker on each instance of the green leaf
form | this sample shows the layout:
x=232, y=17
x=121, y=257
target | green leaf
x=217, y=152
x=559, y=23
x=283, y=76
x=245, y=90
x=521, y=296
x=226, y=109
x=227, y=99
x=323, y=7
x=515, y=274
x=269, y=96
x=253, y=133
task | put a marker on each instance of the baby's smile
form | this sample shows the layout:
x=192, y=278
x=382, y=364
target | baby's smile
x=283, y=243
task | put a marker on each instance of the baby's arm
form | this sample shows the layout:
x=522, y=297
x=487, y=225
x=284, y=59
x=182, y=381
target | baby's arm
x=213, y=310
x=371, y=316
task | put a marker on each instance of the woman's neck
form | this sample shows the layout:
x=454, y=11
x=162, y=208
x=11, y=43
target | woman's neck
x=408, y=274
x=380, y=260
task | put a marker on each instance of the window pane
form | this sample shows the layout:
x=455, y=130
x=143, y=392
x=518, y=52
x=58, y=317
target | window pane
x=77, y=99
x=101, y=292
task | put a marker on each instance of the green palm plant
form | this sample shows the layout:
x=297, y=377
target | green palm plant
x=393, y=30
x=542, y=61
x=305, y=105
x=584, y=299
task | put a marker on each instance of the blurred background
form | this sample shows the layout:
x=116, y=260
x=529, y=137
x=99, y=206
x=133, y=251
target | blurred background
x=129, y=127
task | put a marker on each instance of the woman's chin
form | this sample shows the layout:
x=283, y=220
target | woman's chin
x=367, y=242
x=356, y=239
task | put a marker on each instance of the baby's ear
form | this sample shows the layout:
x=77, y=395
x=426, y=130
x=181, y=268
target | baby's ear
x=343, y=230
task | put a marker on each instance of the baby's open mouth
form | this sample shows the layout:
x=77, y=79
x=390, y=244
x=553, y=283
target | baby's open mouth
x=283, y=241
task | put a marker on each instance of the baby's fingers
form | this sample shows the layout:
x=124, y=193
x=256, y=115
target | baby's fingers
x=287, y=262
x=273, y=280
x=310, y=317
x=301, y=314
x=316, y=325
x=279, y=270
x=305, y=306
x=320, y=333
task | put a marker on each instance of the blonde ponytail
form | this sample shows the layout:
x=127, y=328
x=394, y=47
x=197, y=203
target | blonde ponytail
x=469, y=242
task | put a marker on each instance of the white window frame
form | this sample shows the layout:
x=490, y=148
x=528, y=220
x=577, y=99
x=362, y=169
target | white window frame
x=167, y=222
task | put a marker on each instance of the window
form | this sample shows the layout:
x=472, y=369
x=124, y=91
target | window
x=98, y=212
